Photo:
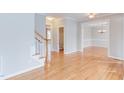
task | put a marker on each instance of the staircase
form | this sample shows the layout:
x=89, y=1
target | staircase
x=41, y=48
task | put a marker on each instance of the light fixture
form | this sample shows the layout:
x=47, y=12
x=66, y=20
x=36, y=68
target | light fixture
x=91, y=15
x=101, y=29
x=50, y=18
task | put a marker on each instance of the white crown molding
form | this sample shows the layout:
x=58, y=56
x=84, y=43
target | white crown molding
x=71, y=18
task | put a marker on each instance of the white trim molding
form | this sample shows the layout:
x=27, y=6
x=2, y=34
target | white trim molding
x=21, y=72
x=118, y=58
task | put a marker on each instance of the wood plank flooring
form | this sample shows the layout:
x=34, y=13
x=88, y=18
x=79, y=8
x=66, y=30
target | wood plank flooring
x=92, y=64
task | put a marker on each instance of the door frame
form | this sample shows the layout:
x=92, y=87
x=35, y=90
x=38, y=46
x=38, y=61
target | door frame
x=59, y=38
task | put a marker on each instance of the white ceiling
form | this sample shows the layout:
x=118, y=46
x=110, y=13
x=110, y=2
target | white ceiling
x=76, y=16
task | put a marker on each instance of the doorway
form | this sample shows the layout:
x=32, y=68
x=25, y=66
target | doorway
x=96, y=38
x=61, y=38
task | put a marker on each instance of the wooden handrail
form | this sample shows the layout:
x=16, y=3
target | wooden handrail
x=39, y=38
x=40, y=35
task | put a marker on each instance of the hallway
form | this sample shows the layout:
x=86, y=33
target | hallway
x=93, y=64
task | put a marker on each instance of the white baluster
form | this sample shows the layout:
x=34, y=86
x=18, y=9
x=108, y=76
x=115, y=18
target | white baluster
x=39, y=47
x=35, y=46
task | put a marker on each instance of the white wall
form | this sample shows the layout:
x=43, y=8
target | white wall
x=70, y=36
x=87, y=38
x=82, y=36
x=55, y=24
x=72, y=33
x=79, y=37
x=116, y=36
x=50, y=43
x=16, y=41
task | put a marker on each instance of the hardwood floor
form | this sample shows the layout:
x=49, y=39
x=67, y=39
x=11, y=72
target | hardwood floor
x=93, y=64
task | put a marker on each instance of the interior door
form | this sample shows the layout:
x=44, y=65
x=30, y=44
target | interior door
x=61, y=38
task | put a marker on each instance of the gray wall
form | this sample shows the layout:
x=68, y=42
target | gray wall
x=116, y=36
x=40, y=24
x=79, y=37
x=16, y=41
x=70, y=35
x=87, y=38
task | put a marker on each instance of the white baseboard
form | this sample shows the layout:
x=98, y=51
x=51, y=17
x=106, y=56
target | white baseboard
x=69, y=52
x=80, y=50
x=95, y=46
x=21, y=72
x=116, y=57
x=54, y=50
